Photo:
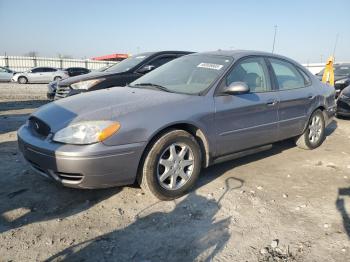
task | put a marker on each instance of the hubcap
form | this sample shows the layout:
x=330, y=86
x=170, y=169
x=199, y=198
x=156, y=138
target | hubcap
x=315, y=128
x=175, y=166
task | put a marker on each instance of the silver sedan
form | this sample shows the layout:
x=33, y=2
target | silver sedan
x=40, y=75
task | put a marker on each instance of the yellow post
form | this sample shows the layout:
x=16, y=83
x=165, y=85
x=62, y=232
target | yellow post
x=328, y=74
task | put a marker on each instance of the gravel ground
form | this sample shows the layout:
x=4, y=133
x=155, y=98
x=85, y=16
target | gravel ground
x=285, y=204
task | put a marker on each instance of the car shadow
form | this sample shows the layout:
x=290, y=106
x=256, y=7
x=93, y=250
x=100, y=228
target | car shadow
x=26, y=198
x=340, y=205
x=188, y=231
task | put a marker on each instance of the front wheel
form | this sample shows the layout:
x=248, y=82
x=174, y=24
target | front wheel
x=172, y=165
x=22, y=80
x=314, y=133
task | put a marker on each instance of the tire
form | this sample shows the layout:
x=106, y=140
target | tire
x=165, y=173
x=22, y=80
x=314, y=133
x=57, y=78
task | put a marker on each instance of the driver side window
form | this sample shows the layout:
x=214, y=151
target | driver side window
x=252, y=71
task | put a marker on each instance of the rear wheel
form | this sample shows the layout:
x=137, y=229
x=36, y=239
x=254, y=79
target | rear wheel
x=22, y=80
x=314, y=133
x=172, y=165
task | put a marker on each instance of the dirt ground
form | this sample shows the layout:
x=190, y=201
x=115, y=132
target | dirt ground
x=285, y=204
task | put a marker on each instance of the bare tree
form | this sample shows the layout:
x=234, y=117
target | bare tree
x=63, y=56
x=32, y=53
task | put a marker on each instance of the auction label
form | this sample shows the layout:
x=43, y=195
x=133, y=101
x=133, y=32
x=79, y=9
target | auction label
x=210, y=66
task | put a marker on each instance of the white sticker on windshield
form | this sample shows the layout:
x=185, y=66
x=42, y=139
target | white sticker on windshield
x=140, y=57
x=210, y=66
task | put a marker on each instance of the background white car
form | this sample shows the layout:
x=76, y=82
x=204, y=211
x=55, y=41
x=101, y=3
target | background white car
x=6, y=74
x=40, y=75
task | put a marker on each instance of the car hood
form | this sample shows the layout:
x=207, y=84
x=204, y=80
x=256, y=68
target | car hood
x=89, y=76
x=106, y=104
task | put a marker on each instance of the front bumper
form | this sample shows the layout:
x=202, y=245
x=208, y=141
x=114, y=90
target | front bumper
x=87, y=166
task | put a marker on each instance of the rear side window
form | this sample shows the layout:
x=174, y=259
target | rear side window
x=288, y=76
x=307, y=79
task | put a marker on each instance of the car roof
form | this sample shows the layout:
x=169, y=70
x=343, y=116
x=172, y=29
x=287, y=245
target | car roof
x=241, y=53
x=163, y=52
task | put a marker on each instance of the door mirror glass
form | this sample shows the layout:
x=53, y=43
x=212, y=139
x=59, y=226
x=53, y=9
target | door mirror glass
x=145, y=69
x=236, y=88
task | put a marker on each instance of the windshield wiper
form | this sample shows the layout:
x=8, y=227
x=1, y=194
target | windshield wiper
x=163, y=88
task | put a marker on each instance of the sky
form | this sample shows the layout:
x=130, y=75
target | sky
x=306, y=30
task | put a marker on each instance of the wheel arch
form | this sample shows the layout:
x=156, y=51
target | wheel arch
x=319, y=107
x=191, y=128
x=22, y=76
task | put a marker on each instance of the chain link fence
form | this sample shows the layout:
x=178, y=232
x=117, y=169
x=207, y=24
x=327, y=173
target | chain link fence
x=23, y=63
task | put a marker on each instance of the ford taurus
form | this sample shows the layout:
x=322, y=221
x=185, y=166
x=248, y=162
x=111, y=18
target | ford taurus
x=190, y=113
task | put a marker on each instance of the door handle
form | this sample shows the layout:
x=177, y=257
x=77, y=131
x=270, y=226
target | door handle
x=271, y=103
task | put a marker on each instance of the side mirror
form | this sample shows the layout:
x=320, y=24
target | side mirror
x=145, y=69
x=236, y=88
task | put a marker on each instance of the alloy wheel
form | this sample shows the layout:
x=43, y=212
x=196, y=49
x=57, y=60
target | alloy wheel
x=175, y=166
x=315, y=129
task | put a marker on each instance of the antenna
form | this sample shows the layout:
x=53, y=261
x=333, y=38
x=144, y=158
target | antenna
x=335, y=44
x=274, y=39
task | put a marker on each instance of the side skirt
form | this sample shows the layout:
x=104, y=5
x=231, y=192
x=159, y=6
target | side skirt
x=241, y=154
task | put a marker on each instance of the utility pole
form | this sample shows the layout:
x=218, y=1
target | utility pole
x=274, y=39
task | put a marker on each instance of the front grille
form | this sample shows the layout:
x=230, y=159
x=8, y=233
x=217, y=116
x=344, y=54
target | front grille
x=62, y=91
x=39, y=127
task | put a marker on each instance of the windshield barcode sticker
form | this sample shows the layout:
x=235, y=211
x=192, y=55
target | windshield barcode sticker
x=210, y=66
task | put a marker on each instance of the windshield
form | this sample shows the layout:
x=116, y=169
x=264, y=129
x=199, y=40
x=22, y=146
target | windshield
x=191, y=74
x=339, y=70
x=128, y=63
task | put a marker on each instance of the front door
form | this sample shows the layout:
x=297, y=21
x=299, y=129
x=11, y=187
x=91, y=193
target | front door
x=36, y=75
x=247, y=120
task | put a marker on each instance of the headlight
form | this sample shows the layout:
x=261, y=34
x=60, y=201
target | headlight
x=85, y=85
x=342, y=81
x=87, y=132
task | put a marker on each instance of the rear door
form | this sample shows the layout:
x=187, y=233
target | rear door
x=295, y=95
x=49, y=74
x=247, y=120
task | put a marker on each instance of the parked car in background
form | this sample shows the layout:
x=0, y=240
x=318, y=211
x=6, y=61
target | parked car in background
x=343, y=102
x=341, y=76
x=76, y=71
x=190, y=113
x=119, y=74
x=39, y=75
x=6, y=74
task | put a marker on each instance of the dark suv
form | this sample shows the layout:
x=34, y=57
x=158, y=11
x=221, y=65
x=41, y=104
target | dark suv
x=76, y=71
x=117, y=75
x=341, y=76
